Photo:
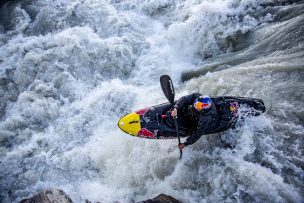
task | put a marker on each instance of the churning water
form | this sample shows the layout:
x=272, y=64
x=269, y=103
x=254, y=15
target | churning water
x=70, y=69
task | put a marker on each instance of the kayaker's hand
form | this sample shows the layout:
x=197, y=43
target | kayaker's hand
x=174, y=112
x=181, y=146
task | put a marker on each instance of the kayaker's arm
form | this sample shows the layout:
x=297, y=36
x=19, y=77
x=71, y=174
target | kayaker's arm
x=193, y=138
x=206, y=124
x=186, y=100
x=181, y=146
x=199, y=131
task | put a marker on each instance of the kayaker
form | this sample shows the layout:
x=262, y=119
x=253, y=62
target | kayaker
x=198, y=113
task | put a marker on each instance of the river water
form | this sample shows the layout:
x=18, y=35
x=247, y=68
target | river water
x=70, y=69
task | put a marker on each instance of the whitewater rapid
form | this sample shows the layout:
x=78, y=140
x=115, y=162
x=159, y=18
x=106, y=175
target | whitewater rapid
x=70, y=69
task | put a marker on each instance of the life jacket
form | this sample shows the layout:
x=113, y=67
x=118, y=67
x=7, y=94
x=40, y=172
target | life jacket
x=202, y=119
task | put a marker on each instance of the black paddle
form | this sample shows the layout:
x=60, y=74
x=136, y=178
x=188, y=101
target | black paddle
x=168, y=89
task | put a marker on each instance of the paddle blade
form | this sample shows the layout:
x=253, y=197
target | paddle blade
x=167, y=87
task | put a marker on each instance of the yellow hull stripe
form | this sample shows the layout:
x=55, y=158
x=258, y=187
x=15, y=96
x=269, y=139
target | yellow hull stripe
x=130, y=124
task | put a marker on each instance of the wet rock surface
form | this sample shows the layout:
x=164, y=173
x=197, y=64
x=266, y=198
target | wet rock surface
x=49, y=196
x=162, y=198
x=58, y=196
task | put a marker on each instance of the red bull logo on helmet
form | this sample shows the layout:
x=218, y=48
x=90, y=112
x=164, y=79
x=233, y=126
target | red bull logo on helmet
x=202, y=103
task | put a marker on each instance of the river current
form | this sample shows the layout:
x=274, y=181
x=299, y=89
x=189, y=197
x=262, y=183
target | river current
x=70, y=69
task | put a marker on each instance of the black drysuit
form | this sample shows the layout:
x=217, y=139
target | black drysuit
x=199, y=122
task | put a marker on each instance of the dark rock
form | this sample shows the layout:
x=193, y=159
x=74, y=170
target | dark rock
x=49, y=196
x=58, y=196
x=162, y=198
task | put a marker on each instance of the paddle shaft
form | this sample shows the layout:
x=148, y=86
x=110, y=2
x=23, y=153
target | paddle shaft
x=178, y=138
x=168, y=89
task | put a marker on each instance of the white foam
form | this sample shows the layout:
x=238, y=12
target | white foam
x=94, y=61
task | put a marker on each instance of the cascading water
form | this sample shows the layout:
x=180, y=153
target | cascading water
x=70, y=69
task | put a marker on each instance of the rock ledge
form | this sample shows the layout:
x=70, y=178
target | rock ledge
x=58, y=196
x=49, y=196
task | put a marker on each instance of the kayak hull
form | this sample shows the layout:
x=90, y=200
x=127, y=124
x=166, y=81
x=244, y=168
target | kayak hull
x=156, y=123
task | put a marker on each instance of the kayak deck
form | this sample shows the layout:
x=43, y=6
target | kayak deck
x=156, y=123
